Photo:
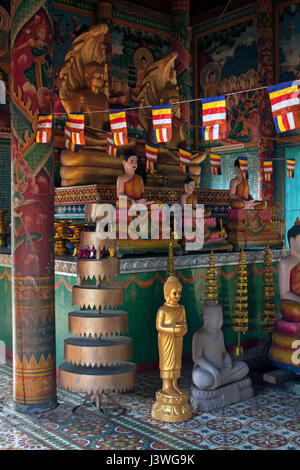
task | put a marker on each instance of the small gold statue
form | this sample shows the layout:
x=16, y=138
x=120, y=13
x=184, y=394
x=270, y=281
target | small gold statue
x=171, y=403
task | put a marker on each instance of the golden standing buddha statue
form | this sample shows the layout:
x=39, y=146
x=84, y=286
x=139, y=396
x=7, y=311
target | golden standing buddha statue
x=171, y=403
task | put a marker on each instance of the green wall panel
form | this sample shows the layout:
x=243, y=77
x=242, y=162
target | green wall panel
x=142, y=297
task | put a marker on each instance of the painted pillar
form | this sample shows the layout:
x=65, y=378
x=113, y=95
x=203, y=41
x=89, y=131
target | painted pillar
x=180, y=43
x=34, y=367
x=265, y=70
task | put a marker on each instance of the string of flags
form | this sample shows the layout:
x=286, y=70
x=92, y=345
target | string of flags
x=151, y=157
x=285, y=106
x=215, y=164
x=290, y=167
x=268, y=169
x=214, y=118
x=184, y=158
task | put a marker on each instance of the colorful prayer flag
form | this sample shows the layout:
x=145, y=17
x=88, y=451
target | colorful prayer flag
x=215, y=164
x=285, y=102
x=268, y=169
x=184, y=157
x=213, y=118
x=76, y=127
x=44, y=128
x=151, y=155
x=70, y=145
x=111, y=148
x=290, y=167
x=162, y=123
x=283, y=97
x=244, y=166
x=118, y=127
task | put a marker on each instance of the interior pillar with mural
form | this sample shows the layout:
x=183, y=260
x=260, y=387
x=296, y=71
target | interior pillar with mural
x=34, y=365
x=180, y=43
x=265, y=70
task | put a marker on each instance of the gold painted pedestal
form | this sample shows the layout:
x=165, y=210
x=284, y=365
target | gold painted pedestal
x=171, y=408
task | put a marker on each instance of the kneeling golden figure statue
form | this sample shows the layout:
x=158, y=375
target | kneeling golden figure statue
x=171, y=403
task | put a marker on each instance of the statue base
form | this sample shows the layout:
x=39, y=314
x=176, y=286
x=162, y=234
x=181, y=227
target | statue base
x=207, y=400
x=171, y=408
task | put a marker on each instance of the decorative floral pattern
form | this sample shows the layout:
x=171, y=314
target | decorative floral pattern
x=269, y=420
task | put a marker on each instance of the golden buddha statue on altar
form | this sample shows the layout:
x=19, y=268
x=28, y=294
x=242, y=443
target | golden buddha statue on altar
x=84, y=88
x=285, y=347
x=249, y=221
x=171, y=402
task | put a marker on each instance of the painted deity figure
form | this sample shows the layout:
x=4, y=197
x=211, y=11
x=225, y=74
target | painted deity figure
x=38, y=74
x=213, y=366
x=239, y=192
x=171, y=326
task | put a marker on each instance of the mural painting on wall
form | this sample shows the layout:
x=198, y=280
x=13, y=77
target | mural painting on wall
x=4, y=61
x=288, y=63
x=133, y=51
x=289, y=43
x=68, y=24
x=226, y=64
x=31, y=93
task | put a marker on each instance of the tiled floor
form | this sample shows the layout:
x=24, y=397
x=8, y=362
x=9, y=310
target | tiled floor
x=269, y=420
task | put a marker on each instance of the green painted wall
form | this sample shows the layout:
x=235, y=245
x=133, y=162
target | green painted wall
x=143, y=296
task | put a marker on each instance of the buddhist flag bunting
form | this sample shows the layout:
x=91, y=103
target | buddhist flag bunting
x=118, y=127
x=70, y=145
x=111, y=148
x=213, y=118
x=162, y=123
x=151, y=155
x=44, y=128
x=244, y=166
x=290, y=167
x=285, y=102
x=76, y=127
x=185, y=158
x=215, y=164
x=268, y=169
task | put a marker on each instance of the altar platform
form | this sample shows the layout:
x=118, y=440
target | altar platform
x=142, y=278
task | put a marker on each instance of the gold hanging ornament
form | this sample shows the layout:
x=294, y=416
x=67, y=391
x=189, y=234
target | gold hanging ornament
x=240, y=308
x=211, y=293
x=268, y=304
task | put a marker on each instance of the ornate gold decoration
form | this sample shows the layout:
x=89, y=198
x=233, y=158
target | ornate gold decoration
x=97, y=296
x=159, y=86
x=84, y=88
x=98, y=269
x=105, y=351
x=96, y=360
x=3, y=225
x=170, y=262
x=91, y=322
x=240, y=309
x=172, y=409
x=268, y=304
x=92, y=240
x=211, y=292
x=60, y=237
x=83, y=379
